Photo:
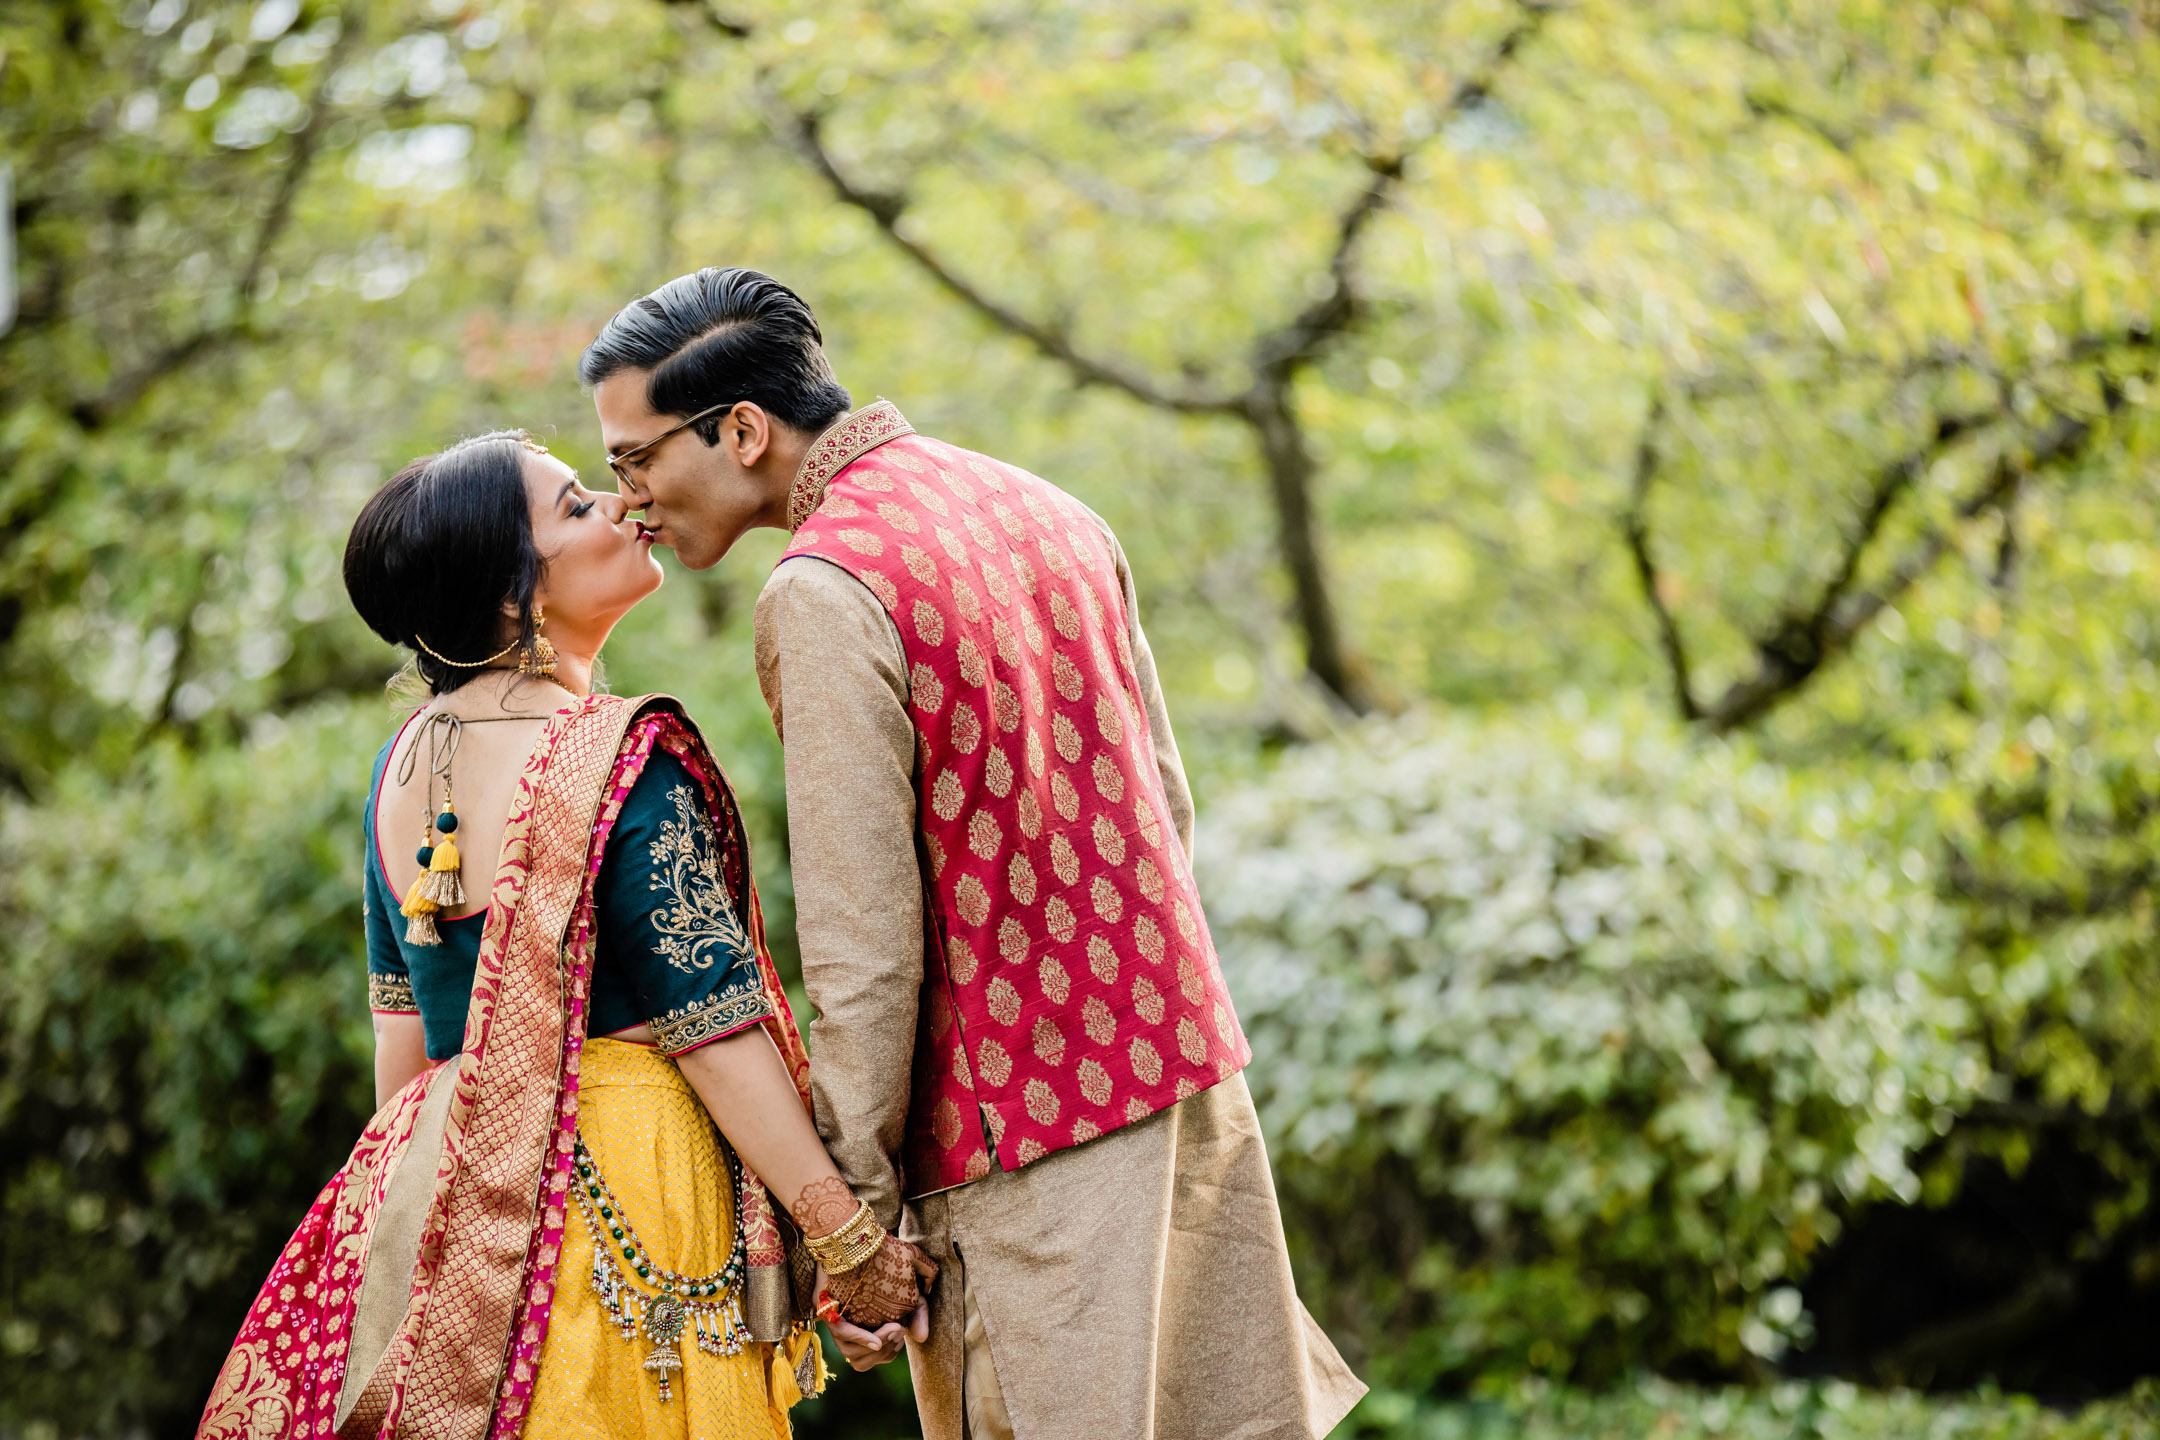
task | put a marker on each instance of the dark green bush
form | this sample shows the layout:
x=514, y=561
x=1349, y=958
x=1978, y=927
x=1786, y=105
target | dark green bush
x=1833, y=1411
x=186, y=1059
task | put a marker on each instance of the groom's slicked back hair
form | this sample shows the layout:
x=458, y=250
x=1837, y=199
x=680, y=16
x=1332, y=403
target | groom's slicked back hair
x=718, y=337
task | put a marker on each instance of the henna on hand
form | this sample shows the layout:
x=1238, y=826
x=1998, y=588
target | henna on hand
x=883, y=1288
x=824, y=1206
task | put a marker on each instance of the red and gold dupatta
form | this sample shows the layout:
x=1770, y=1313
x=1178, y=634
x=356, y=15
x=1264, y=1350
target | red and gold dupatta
x=461, y=1362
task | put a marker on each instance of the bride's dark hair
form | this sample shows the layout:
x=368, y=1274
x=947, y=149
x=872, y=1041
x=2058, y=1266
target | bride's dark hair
x=436, y=552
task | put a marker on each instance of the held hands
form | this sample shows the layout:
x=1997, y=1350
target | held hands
x=868, y=1281
x=884, y=1288
x=865, y=1349
x=868, y=1348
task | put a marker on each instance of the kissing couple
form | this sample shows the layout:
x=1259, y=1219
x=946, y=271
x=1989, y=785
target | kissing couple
x=609, y=1191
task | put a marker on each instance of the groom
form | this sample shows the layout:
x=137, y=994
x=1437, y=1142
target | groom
x=1025, y=1056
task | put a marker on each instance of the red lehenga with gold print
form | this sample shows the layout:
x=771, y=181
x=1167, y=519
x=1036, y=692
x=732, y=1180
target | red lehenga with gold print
x=415, y=1299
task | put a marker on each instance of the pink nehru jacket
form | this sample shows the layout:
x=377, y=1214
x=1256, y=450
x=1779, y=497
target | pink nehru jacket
x=1072, y=987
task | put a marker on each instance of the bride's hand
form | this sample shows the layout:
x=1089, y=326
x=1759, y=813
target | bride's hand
x=890, y=1286
x=882, y=1289
x=866, y=1349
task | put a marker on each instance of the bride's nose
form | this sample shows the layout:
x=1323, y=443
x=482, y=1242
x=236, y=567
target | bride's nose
x=615, y=507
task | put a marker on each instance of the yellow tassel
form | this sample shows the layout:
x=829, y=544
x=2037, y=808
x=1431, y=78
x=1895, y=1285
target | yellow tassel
x=444, y=888
x=443, y=883
x=419, y=912
x=416, y=901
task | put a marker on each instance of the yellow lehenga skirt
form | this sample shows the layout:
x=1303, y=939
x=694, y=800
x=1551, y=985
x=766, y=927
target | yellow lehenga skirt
x=653, y=1141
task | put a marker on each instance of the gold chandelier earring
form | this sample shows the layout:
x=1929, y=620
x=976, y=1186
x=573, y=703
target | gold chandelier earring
x=539, y=657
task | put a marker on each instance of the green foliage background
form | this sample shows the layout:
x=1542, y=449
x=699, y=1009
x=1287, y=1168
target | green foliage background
x=1604, y=1025
x=1767, y=388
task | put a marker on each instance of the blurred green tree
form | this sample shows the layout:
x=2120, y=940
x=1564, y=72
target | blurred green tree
x=1794, y=365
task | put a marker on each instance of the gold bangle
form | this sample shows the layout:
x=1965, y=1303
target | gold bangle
x=848, y=1247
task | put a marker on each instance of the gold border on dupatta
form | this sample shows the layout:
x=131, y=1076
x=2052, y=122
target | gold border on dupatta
x=503, y=1112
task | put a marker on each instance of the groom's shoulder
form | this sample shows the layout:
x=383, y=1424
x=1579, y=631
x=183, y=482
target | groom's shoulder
x=809, y=587
x=950, y=452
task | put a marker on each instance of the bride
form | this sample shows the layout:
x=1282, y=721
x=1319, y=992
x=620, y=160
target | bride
x=560, y=1220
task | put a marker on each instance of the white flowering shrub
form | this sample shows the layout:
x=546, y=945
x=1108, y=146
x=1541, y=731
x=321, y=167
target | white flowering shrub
x=1571, y=1035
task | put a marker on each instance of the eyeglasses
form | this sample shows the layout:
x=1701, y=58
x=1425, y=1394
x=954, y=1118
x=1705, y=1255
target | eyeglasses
x=617, y=463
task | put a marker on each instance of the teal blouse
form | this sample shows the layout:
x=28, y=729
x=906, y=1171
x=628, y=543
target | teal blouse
x=670, y=950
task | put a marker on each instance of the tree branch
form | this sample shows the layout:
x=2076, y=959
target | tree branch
x=1769, y=107
x=1301, y=339
x=1270, y=404
x=1280, y=352
x=1635, y=525
x=1801, y=642
x=887, y=209
x=95, y=412
x=1267, y=404
x=1892, y=483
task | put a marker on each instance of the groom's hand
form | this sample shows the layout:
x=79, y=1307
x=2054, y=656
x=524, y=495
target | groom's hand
x=868, y=1349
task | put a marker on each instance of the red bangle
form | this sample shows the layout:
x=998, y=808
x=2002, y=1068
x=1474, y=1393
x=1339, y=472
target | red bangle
x=828, y=1309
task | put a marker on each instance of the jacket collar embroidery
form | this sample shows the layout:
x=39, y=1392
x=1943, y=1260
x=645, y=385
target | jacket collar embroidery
x=841, y=444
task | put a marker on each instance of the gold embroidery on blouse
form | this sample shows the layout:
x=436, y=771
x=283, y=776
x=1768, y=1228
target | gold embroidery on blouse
x=688, y=1026
x=391, y=994
x=697, y=917
x=842, y=443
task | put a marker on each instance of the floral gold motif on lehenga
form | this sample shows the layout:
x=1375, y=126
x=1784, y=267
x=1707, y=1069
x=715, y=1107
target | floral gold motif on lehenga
x=282, y=1374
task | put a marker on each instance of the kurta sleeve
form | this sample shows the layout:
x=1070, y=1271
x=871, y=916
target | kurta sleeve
x=834, y=675
x=665, y=922
x=390, y=990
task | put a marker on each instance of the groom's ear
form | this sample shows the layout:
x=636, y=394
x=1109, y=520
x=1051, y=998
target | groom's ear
x=747, y=432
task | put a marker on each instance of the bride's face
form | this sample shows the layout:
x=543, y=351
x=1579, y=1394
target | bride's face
x=597, y=561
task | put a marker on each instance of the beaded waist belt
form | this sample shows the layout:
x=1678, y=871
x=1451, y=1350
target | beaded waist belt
x=664, y=1302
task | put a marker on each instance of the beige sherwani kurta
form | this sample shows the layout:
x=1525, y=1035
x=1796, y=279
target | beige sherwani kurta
x=1132, y=1287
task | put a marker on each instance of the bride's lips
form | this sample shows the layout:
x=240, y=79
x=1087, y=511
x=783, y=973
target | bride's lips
x=646, y=532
